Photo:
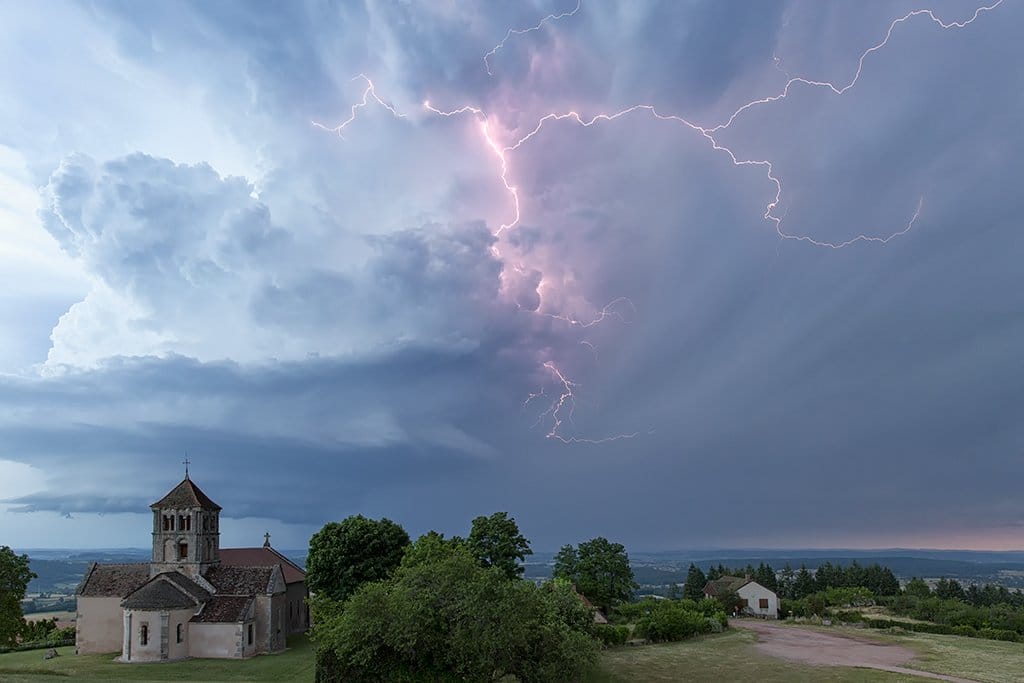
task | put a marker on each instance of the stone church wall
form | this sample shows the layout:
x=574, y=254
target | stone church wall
x=296, y=608
x=218, y=640
x=99, y=625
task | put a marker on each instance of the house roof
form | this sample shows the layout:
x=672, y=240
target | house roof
x=113, y=580
x=167, y=590
x=228, y=580
x=262, y=557
x=186, y=495
x=224, y=609
x=725, y=585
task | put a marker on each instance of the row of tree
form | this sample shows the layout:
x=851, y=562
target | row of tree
x=796, y=585
x=987, y=595
x=386, y=608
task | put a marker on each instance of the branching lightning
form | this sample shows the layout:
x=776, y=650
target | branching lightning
x=561, y=409
x=520, y=31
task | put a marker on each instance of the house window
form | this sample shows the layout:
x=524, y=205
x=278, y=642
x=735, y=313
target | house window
x=762, y=603
x=250, y=634
x=183, y=551
x=143, y=634
x=181, y=632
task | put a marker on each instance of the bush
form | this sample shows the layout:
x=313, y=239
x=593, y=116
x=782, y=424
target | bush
x=451, y=619
x=847, y=617
x=965, y=630
x=670, y=621
x=611, y=635
x=998, y=634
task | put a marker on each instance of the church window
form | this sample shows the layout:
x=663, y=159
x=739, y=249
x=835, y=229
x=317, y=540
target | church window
x=250, y=634
x=181, y=633
x=183, y=551
x=188, y=523
x=143, y=634
x=181, y=522
x=167, y=523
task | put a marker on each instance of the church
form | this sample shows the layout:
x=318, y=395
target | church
x=193, y=598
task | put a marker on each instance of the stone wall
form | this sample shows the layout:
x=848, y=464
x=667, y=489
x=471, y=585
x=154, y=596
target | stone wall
x=99, y=626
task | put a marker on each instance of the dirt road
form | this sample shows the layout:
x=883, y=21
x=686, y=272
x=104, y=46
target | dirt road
x=828, y=649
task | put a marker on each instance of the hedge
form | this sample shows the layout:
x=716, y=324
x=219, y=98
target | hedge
x=38, y=645
x=946, y=630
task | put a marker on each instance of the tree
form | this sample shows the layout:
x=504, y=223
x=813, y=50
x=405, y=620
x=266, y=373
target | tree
x=15, y=576
x=950, y=589
x=693, y=589
x=765, y=575
x=803, y=584
x=496, y=542
x=786, y=581
x=918, y=588
x=345, y=555
x=451, y=619
x=599, y=569
x=432, y=547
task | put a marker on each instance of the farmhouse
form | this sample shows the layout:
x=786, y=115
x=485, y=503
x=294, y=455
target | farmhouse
x=193, y=599
x=755, y=598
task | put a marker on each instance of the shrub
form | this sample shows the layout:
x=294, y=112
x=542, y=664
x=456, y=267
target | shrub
x=670, y=621
x=611, y=635
x=998, y=634
x=965, y=630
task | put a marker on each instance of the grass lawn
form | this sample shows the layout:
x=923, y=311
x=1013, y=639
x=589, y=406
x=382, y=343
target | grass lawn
x=986, y=661
x=729, y=656
x=291, y=666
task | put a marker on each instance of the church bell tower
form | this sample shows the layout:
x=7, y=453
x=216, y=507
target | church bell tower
x=186, y=531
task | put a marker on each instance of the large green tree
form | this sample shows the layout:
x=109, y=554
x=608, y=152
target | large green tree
x=15, y=576
x=495, y=541
x=599, y=569
x=693, y=589
x=345, y=555
x=446, y=618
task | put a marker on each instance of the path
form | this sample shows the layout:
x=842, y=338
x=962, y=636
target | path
x=827, y=649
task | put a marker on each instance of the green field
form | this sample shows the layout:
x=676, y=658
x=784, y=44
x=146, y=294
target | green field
x=294, y=665
x=725, y=657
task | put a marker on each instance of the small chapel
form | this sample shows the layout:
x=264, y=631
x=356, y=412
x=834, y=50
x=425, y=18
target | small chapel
x=193, y=598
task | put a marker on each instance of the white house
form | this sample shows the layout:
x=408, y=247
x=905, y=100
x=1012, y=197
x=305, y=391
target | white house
x=757, y=600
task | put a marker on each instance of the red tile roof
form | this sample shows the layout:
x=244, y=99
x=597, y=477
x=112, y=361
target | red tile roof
x=109, y=580
x=229, y=609
x=262, y=557
x=186, y=495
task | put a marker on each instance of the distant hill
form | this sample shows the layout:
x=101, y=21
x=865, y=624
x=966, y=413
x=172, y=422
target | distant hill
x=61, y=570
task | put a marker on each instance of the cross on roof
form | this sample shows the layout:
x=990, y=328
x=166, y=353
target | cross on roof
x=186, y=463
x=266, y=540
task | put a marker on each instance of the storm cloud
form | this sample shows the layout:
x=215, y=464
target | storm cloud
x=336, y=322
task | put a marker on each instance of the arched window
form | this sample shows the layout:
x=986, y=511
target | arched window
x=181, y=632
x=143, y=634
x=183, y=551
x=188, y=523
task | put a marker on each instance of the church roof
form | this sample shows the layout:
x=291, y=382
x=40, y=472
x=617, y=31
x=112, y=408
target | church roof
x=262, y=557
x=241, y=580
x=224, y=609
x=186, y=495
x=167, y=590
x=113, y=580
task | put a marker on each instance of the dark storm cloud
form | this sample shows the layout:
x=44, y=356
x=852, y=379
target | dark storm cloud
x=778, y=389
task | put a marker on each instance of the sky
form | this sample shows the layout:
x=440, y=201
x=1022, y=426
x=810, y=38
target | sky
x=681, y=274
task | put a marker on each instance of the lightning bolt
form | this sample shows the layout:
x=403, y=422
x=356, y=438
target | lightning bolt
x=562, y=408
x=567, y=399
x=520, y=31
x=369, y=93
